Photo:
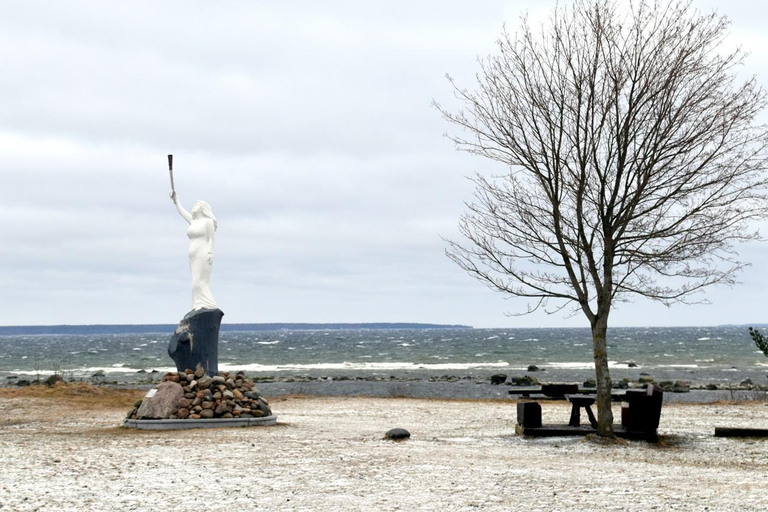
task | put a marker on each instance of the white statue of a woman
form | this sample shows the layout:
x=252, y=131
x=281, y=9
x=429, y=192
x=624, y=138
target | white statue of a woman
x=201, y=231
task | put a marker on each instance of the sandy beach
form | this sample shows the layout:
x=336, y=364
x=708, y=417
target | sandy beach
x=329, y=453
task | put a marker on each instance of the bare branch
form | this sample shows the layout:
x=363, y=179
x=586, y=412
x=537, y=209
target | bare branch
x=635, y=159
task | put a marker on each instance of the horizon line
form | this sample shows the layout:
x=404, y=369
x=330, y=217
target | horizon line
x=349, y=325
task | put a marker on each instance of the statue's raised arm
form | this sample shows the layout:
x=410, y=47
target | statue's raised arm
x=184, y=213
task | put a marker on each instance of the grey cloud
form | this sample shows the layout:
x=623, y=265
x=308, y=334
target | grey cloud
x=306, y=125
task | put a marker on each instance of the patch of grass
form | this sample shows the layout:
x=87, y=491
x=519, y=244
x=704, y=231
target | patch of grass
x=672, y=441
x=605, y=441
x=79, y=393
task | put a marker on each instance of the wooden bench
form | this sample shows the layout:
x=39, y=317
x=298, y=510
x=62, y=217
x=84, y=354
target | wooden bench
x=641, y=410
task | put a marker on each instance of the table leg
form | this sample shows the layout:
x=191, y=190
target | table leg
x=592, y=419
x=575, y=420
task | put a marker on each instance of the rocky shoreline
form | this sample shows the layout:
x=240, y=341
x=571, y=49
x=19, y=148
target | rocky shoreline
x=625, y=376
x=404, y=385
x=143, y=377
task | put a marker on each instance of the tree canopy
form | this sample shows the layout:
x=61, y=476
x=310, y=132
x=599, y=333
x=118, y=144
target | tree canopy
x=634, y=161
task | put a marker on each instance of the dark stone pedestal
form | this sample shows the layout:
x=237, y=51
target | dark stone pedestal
x=196, y=341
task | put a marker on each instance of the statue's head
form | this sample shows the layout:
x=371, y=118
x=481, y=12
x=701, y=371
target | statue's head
x=203, y=209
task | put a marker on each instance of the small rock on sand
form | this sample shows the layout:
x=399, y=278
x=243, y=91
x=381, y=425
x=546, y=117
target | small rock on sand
x=397, y=434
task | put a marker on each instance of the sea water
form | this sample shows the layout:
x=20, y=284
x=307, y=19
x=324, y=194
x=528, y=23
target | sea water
x=722, y=355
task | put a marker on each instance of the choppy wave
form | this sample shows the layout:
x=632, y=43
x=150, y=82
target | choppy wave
x=563, y=354
x=582, y=365
x=360, y=366
x=90, y=370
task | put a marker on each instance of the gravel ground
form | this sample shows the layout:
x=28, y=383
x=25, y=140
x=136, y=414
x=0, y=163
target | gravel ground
x=329, y=454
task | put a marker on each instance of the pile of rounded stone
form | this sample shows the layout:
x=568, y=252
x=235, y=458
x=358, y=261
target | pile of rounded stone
x=221, y=396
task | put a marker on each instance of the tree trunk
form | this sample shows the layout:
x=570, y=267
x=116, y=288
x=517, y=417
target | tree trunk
x=602, y=377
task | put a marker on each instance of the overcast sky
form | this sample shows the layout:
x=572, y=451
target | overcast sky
x=307, y=126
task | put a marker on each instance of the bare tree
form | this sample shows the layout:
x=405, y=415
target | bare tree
x=635, y=162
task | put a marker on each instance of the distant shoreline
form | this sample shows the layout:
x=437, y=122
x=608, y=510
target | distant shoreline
x=21, y=330
x=76, y=329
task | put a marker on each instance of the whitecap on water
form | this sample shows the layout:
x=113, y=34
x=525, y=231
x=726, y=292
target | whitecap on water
x=381, y=366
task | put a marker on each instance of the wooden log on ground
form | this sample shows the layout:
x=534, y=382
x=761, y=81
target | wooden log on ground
x=740, y=432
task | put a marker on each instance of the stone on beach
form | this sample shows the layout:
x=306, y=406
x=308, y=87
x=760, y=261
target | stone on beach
x=204, y=382
x=397, y=434
x=498, y=378
x=53, y=379
x=525, y=380
x=163, y=403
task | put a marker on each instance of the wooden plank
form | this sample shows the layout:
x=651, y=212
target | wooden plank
x=565, y=430
x=554, y=431
x=740, y=432
x=530, y=392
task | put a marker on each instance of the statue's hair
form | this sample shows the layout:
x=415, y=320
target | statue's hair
x=205, y=209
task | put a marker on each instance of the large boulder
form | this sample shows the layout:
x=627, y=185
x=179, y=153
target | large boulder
x=163, y=403
x=499, y=378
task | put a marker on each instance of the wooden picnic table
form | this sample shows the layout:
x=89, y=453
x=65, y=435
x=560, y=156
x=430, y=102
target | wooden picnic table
x=577, y=403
